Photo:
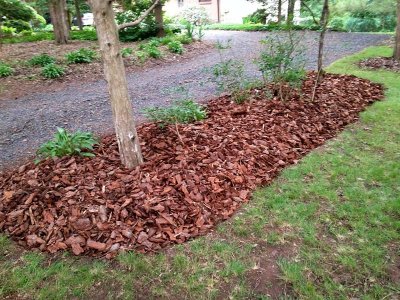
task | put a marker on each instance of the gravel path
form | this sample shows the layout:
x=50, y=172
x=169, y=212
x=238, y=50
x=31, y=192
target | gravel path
x=27, y=122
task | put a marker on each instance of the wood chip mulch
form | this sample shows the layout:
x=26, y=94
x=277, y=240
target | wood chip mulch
x=387, y=63
x=187, y=185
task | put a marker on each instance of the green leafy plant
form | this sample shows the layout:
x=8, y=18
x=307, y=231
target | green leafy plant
x=52, y=71
x=142, y=56
x=194, y=19
x=153, y=52
x=80, y=56
x=126, y=52
x=281, y=64
x=229, y=77
x=41, y=60
x=184, y=39
x=5, y=70
x=175, y=47
x=67, y=144
x=183, y=111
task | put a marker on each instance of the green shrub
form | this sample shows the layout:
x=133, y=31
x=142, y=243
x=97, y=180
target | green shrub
x=258, y=17
x=336, y=24
x=83, y=35
x=281, y=63
x=142, y=56
x=5, y=70
x=8, y=31
x=67, y=144
x=229, y=77
x=52, y=71
x=184, y=111
x=153, y=52
x=80, y=56
x=167, y=39
x=184, y=39
x=175, y=47
x=19, y=25
x=126, y=52
x=41, y=60
x=361, y=24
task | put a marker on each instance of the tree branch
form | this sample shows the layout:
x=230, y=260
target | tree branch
x=141, y=18
x=311, y=12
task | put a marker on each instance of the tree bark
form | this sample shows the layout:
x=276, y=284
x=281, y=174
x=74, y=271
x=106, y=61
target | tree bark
x=114, y=70
x=396, y=53
x=324, y=24
x=78, y=14
x=159, y=20
x=59, y=19
x=290, y=12
x=279, y=11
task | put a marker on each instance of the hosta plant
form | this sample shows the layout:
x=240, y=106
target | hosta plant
x=52, y=71
x=65, y=143
x=42, y=60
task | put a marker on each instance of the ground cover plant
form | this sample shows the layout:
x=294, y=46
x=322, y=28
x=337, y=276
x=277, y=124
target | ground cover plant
x=65, y=143
x=5, y=70
x=80, y=56
x=52, y=71
x=41, y=60
x=279, y=228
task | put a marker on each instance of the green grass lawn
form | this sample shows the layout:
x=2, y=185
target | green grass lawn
x=331, y=225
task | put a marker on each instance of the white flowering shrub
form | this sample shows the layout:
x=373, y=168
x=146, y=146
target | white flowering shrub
x=194, y=19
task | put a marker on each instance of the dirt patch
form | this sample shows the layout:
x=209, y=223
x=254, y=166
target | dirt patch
x=265, y=277
x=186, y=186
x=387, y=63
x=27, y=79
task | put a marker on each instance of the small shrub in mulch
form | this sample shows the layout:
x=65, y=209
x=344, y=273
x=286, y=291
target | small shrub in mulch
x=94, y=206
x=387, y=63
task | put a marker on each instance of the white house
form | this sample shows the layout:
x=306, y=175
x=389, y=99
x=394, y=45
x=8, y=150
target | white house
x=222, y=11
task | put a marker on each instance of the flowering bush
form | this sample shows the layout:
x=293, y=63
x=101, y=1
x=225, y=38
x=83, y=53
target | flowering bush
x=194, y=19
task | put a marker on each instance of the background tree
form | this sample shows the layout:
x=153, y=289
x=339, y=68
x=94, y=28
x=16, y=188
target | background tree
x=290, y=12
x=78, y=14
x=396, y=54
x=59, y=19
x=16, y=14
x=114, y=70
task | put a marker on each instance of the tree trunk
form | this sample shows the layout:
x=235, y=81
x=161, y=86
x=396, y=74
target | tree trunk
x=396, y=54
x=159, y=20
x=279, y=11
x=114, y=70
x=59, y=19
x=324, y=25
x=290, y=12
x=78, y=14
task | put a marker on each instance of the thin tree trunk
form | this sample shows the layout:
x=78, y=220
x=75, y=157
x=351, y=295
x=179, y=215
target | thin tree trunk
x=78, y=14
x=59, y=20
x=290, y=12
x=159, y=20
x=114, y=70
x=279, y=11
x=396, y=53
x=324, y=24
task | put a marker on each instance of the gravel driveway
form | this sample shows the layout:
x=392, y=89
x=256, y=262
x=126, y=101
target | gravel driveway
x=27, y=122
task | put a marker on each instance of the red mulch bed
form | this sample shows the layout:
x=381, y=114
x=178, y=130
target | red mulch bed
x=387, y=63
x=96, y=207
